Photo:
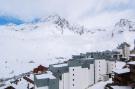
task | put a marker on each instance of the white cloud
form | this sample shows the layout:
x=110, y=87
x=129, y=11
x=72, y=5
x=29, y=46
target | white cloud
x=106, y=19
x=74, y=10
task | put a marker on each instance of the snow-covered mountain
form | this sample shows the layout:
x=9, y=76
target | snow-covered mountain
x=62, y=23
x=54, y=39
x=125, y=24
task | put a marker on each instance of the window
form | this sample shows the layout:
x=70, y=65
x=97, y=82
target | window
x=73, y=74
x=73, y=69
x=99, y=69
x=73, y=79
x=73, y=85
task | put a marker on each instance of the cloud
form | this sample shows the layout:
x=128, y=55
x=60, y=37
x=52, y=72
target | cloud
x=38, y=8
x=74, y=10
x=106, y=19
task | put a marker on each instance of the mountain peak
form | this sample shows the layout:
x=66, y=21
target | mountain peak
x=54, y=17
x=60, y=21
x=123, y=22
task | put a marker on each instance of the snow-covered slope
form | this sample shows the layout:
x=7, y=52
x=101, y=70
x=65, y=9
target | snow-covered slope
x=52, y=39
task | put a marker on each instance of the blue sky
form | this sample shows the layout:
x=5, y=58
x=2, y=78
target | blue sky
x=9, y=19
x=91, y=13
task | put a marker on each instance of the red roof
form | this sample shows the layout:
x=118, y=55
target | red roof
x=40, y=68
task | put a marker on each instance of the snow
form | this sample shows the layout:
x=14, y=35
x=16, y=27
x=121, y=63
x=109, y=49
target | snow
x=100, y=85
x=120, y=65
x=21, y=85
x=45, y=76
x=43, y=43
x=60, y=65
x=132, y=55
x=121, y=71
x=131, y=63
x=121, y=87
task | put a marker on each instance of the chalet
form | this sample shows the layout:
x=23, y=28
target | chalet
x=124, y=77
x=132, y=73
x=121, y=76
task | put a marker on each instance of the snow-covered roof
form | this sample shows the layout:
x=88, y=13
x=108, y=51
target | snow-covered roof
x=132, y=55
x=131, y=63
x=120, y=65
x=60, y=65
x=45, y=75
x=121, y=71
x=121, y=87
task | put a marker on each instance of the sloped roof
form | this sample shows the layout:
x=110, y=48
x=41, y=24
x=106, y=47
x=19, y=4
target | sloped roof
x=121, y=71
x=131, y=63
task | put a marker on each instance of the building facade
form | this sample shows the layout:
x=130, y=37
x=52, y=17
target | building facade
x=100, y=69
x=80, y=72
x=45, y=81
x=124, y=50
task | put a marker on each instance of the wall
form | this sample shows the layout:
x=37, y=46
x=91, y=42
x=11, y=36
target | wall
x=64, y=83
x=46, y=87
x=80, y=77
x=91, y=74
x=126, y=52
x=100, y=69
x=111, y=66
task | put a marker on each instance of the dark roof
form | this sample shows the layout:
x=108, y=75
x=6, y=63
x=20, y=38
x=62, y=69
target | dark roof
x=58, y=71
x=51, y=83
x=78, y=56
x=9, y=87
x=29, y=80
x=84, y=62
x=100, y=55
